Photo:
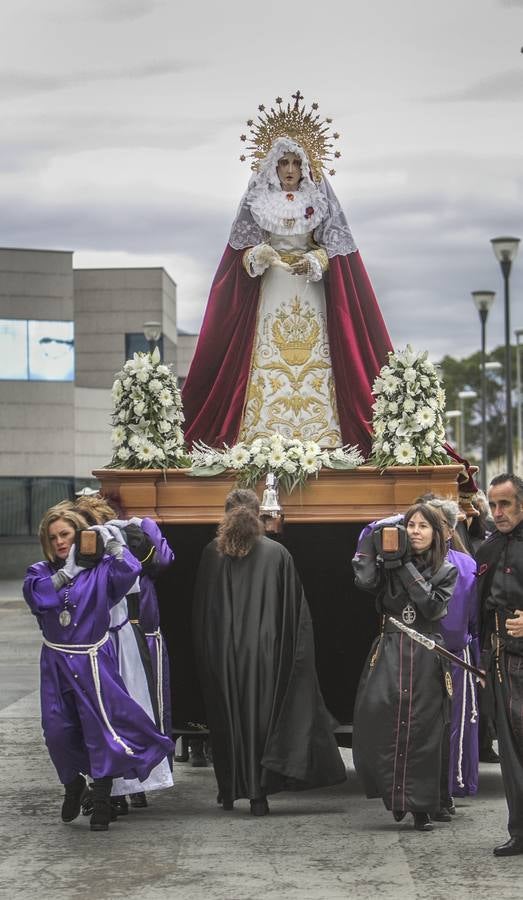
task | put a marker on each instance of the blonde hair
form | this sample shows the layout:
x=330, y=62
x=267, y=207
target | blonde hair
x=63, y=511
x=95, y=509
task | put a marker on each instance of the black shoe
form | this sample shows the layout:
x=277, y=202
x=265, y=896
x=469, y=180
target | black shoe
x=198, y=759
x=259, y=807
x=443, y=815
x=225, y=802
x=488, y=755
x=120, y=806
x=74, y=793
x=87, y=802
x=101, y=816
x=512, y=847
x=422, y=822
x=139, y=800
x=398, y=814
x=452, y=807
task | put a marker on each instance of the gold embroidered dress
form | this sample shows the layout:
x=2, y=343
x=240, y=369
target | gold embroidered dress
x=291, y=386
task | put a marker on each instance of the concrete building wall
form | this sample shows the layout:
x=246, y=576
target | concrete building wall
x=186, y=347
x=36, y=284
x=92, y=431
x=110, y=303
x=37, y=428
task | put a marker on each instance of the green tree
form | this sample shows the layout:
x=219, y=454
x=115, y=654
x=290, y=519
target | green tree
x=465, y=374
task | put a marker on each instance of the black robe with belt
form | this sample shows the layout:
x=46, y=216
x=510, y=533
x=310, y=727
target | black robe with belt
x=254, y=642
x=501, y=556
x=402, y=703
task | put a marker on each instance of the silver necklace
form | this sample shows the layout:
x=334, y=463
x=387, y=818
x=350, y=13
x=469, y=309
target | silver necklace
x=65, y=616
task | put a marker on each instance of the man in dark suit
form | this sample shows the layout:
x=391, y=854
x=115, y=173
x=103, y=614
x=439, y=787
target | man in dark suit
x=500, y=584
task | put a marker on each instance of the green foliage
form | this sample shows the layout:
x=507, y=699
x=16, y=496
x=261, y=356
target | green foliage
x=464, y=374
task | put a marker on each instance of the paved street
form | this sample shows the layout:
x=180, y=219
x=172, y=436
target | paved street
x=318, y=846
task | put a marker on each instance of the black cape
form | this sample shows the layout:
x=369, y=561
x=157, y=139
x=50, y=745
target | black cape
x=254, y=643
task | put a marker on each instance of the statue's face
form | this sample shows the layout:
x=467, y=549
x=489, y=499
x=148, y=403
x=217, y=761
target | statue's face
x=289, y=171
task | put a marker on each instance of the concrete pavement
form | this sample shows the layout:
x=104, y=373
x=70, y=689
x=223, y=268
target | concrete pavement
x=322, y=845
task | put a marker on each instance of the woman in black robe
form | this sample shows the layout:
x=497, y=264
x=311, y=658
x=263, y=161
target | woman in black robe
x=402, y=702
x=254, y=643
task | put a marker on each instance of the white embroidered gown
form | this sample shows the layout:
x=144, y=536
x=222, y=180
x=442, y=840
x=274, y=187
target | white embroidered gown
x=291, y=385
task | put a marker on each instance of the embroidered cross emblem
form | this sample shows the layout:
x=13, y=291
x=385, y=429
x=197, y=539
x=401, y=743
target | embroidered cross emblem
x=408, y=614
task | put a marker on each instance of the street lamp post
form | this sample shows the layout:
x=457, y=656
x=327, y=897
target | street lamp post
x=452, y=414
x=519, y=344
x=483, y=301
x=464, y=395
x=152, y=332
x=505, y=249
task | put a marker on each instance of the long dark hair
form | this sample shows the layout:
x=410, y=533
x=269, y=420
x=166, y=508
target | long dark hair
x=434, y=557
x=240, y=527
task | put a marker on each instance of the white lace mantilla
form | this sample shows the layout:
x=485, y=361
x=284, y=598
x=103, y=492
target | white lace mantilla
x=288, y=212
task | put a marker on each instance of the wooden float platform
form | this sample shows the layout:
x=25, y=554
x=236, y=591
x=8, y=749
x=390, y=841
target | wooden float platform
x=174, y=496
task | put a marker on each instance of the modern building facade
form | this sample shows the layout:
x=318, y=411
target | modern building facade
x=64, y=332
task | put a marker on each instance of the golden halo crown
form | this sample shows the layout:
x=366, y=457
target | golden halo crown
x=293, y=121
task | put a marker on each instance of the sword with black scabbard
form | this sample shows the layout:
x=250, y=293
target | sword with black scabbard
x=430, y=644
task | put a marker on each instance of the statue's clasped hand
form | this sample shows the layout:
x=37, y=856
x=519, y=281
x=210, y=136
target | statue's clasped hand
x=300, y=267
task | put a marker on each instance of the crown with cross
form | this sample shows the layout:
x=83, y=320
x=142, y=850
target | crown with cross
x=306, y=127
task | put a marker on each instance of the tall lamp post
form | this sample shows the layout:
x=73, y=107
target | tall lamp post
x=505, y=250
x=464, y=395
x=483, y=301
x=452, y=414
x=519, y=344
x=152, y=332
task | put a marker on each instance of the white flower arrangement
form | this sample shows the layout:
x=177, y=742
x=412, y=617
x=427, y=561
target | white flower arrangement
x=408, y=412
x=147, y=417
x=292, y=461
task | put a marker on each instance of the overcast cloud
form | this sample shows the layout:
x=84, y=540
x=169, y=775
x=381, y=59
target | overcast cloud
x=121, y=123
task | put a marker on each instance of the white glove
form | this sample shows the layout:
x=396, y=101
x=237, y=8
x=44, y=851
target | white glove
x=135, y=521
x=261, y=257
x=70, y=568
x=115, y=532
x=120, y=523
x=104, y=533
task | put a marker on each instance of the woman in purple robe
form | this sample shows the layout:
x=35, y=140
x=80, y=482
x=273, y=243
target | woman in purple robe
x=91, y=725
x=135, y=627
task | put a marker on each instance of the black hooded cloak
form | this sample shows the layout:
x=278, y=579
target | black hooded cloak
x=254, y=642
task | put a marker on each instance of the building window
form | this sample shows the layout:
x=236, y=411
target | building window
x=23, y=501
x=135, y=342
x=36, y=350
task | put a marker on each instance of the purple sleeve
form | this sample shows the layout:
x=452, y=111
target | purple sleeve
x=39, y=592
x=391, y=520
x=164, y=554
x=119, y=575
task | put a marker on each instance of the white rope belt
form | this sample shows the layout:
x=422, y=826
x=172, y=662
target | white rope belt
x=91, y=650
x=468, y=683
x=157, y=635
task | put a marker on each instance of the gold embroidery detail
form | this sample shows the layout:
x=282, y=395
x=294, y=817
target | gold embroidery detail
x=292, y=388
x=296, y=335
x=448, y=684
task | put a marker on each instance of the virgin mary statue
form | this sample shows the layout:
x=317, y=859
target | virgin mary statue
x=292, y=336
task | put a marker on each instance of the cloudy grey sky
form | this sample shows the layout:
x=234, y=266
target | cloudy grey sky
x=121, y=123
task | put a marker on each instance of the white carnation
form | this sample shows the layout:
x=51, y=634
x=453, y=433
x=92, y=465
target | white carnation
x=404, y=453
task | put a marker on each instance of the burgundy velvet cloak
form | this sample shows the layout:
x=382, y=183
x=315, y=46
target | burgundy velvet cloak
x=214, y=392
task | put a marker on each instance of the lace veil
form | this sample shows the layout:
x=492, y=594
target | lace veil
x=332, y=232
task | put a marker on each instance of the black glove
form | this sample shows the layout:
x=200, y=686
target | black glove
x=140, y=546
x=392, y=558
x=88, y=560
